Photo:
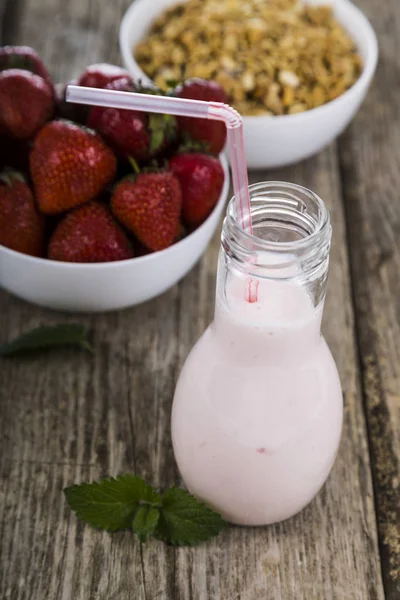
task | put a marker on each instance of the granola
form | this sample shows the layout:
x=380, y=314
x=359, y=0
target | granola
x=272, y=57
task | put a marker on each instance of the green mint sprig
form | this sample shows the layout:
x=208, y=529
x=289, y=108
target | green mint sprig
x=43, y=338
x=175, y=516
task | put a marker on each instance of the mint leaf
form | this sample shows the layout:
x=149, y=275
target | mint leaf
x=128, y=501
x=145, y=521
x=47, y=337
x=186, y=521
x=112, y=503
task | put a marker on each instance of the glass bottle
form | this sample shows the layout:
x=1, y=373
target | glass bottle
x=257, y=413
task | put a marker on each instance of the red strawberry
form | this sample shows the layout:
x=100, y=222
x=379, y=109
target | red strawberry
x=23, y=57
x=141, y=250
x=149, y=206
x=132, y=133
x=69, y=165
x=101, y=74
x=89, y=234
x=22, y=228
x=26, y=102
x=213, y=133
x=202, y=179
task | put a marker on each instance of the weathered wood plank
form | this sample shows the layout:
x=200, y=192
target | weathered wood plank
x=370, y=164
x=69, y=416
x=2, y=19
x=9, y=9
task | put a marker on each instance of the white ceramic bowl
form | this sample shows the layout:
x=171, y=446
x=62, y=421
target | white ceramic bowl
x=101, y=287
x=277, y=141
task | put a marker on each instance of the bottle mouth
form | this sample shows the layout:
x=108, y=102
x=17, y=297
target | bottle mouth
x=291, y=225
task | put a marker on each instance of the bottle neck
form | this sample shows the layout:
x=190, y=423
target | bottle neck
x=271, y=285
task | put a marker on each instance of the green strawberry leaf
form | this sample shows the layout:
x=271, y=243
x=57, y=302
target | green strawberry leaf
x=9, y=175
x=188, y=144
x=145, y=521
x=151, y=89
x=42, y=338
x=172, y=84
x=112, y=503
x=134, y=165
x=157, y=140
x=186, y=521
x=162, y=127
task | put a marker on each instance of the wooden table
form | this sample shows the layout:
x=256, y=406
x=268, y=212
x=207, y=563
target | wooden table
x=71, y=417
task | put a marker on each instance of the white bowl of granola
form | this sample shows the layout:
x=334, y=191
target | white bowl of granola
x=275, y=140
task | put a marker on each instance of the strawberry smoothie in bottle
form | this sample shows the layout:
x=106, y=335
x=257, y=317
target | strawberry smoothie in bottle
x=257, y=413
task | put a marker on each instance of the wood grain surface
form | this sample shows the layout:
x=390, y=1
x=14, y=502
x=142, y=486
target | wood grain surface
x=67, y=417
x=370, y=169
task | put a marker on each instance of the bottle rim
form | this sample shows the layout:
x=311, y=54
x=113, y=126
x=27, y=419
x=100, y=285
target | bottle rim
x=294, y=233
x=268, y=195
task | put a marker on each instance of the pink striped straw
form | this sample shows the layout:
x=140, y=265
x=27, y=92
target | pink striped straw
x=184, y=108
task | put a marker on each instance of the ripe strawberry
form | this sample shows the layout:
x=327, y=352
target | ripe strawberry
x=89, y=234
x=101, y=74
x=149, y=206
x=132, y=133
x=141, y=250
x=22, y=228
x=202, y=179
x=69, y=165
x=23, y=57
x=213, y=133
x=26, y=102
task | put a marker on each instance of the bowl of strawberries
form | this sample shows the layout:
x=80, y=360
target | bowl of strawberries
x=100, y=208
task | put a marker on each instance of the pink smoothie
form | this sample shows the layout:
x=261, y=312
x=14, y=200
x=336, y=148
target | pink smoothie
x=258, y=410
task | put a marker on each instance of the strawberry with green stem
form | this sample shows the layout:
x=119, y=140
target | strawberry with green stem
x=149, y=206
x=133, y=133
